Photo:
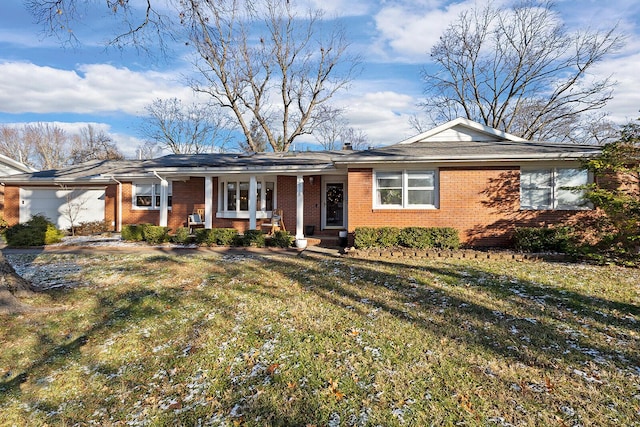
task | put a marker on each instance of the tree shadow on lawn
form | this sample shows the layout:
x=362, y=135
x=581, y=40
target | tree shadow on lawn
x=538, y=325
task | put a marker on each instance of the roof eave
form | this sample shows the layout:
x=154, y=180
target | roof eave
x=493, y=158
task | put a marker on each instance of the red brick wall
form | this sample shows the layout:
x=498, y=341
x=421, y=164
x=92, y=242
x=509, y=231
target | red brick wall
x=482, y=203
x=12, y=204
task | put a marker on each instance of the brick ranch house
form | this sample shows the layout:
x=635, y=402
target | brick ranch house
x=462, y=174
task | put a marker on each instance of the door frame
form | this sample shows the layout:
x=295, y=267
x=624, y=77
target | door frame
x=326, y=180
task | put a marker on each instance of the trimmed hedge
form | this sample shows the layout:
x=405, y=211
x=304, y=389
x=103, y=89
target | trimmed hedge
x=253, y=238
x=181, y=236
x=410, y=237
x=38, y=231
x=281, y=239
x=216, y=236
x=132, y=233
x=544, y=239
x=155, y=234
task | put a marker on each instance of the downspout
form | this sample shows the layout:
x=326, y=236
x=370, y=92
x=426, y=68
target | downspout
x=119, y=223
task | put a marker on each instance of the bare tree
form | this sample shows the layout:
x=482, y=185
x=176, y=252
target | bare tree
x=14, y=146
x=258, y=139
x=91, y=144
x=518, y=70
x=334, y=132
x=356, y=139
x=265, y=63
x=188, y=129
x=75, y=205
x=148, y=150
x=51, y=145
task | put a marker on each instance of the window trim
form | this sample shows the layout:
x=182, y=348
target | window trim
x=405, y=174
x=261, y=212
x=154, y=195
x=554, y=189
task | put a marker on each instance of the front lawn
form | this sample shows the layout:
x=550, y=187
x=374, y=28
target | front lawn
x=227, y=339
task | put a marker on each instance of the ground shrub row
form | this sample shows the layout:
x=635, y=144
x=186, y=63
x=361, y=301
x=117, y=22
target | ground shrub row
x=409, y=237
x=154, y=234
x=38, y=231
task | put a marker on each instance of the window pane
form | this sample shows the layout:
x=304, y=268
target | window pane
x=420, y=197
x=143, y=201
x=390, y=197
x=536, y=178
x=421, y=180
x=231, y=196
x=244, y=196
x=269, y=195
x=389, y=180
x=566, y=197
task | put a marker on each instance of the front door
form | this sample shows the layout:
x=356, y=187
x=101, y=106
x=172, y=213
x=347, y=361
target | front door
x=335, y=207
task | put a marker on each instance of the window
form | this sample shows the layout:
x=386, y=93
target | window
x=550, y=188
x=234, y=198
x=405, y=189
x=147, y=195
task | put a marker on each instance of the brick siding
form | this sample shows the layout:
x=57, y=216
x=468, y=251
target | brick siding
x=481, y=202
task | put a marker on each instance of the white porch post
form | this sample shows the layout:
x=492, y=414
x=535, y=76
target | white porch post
x=299, y=207
x=164, y=200
x=208, y=202
x=253, y=192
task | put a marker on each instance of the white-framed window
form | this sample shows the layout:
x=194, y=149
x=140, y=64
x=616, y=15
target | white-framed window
x=146, y=195
x=405, y=189
x=233, y=198
x=553, y=188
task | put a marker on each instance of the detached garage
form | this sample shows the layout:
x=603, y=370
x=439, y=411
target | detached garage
x=63, y=206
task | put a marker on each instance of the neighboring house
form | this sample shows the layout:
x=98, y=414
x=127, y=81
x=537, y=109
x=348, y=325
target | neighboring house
x=8, y=166
x=462, y=174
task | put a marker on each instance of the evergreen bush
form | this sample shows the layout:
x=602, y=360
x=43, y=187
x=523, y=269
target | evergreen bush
x=132, y=233
x=281, y=239
x=365, y=237
x=38, y=231
x=155, y=234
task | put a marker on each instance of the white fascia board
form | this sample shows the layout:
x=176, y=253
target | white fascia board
x=55, y=181
x=273, y=170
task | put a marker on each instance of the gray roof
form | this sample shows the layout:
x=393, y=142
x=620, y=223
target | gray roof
x=104, y=171
x=449, y=151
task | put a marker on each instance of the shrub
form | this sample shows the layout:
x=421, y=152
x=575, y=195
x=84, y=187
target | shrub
x=544, y=239
x=365, y=237
x=445, y=237
x=132, y=233
x=37, y=231
x=92, y=227
x=416, y=237
x=281, y=239
x=226, y=236
x=216, y=236
x=181, y=236
x=253, y=238
x=388, y=237
x=155, y=234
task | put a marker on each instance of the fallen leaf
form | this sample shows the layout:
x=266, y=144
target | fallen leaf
x=272, y=368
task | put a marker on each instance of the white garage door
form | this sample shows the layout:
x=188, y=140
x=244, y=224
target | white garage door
x=63, y=206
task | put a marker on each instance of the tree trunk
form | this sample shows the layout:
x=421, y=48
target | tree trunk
x=12, y=287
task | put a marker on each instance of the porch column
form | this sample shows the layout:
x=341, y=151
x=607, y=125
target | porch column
x=299, y=207
x=164, y=202
x=253, y=192
x=208, y=202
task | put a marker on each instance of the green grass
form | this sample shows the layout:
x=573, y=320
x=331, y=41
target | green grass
x=283, y=340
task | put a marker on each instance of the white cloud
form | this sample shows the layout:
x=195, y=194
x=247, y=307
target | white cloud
x=407, y=31
x=93, y=88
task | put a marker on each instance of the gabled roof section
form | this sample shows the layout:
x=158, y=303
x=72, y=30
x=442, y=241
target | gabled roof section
x=462, y=129
x=8, y=166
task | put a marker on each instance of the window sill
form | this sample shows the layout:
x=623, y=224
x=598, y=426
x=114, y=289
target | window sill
x=243, y=215
x=401, y=209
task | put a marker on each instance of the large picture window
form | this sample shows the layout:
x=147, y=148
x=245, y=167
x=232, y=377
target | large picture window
x=405, y=189
x=234, y=198
x=553, y=188
x=147, y=195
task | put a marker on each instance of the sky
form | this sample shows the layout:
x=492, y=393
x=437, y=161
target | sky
x=44, y=81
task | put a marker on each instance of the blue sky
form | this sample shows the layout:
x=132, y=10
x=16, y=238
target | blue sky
x=41, y=81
